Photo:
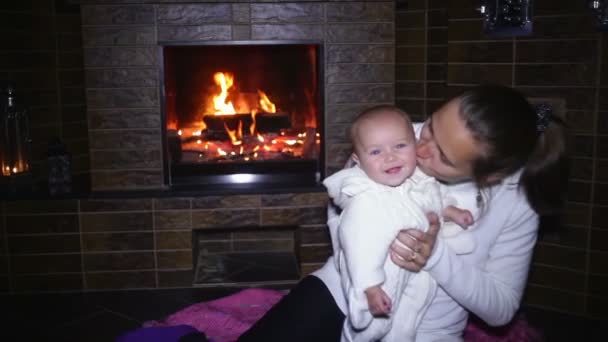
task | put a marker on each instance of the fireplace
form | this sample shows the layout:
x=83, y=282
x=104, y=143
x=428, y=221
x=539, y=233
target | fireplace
x=242, y=113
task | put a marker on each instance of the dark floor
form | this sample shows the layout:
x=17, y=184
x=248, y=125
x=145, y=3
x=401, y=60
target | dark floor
x=103, y=316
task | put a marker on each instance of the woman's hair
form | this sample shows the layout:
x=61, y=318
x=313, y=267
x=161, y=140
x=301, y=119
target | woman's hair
x=514, y=135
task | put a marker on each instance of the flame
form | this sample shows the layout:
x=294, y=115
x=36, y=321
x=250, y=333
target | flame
x=235, y=135
x=266, y=104
x=225, y=82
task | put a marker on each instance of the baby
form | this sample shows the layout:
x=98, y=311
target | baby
x=382, y=194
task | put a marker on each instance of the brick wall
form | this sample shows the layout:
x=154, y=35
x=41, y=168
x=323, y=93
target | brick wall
x=441, y=50
x=42, y=54
x=67, y=245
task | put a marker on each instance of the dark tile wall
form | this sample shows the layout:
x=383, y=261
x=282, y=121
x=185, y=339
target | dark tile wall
x=565, y=59
x=42, y=54
x=100, y=244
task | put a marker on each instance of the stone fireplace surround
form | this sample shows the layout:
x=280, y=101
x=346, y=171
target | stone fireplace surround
x=132, y=232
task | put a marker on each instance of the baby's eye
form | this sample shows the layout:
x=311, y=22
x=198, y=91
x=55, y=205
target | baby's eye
x=374, y=152
x=400, y=146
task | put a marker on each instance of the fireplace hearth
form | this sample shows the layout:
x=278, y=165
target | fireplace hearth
x=242, y=113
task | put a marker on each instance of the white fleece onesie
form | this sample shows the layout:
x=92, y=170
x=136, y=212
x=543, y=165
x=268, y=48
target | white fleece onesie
x=372, y=215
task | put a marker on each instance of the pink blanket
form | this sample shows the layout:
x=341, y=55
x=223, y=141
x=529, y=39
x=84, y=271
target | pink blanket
x=225, y=319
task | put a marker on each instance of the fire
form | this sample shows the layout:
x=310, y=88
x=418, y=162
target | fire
x=241, y=113
x=225, y=82
x=265, y=103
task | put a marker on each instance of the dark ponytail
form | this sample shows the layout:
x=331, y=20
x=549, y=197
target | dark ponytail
x=515, y=136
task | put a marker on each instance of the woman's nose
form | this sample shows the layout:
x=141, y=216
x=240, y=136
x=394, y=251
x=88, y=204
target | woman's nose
x=423, y=149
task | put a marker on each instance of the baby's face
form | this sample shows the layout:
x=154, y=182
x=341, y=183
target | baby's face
x=386, y=148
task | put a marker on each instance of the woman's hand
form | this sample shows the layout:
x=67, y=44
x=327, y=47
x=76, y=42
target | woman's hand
x=420, y=246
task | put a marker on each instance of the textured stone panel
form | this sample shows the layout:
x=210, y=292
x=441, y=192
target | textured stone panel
x=65, y=243
x=241, y=32
x=125, y=139
x=344, y=114
x=279, y=216
x=338, y=154
x=131, y=159
x=196, y=33
x=174, y=259
x=300, y=199
x=117, y=15
x=105, y=242
x=42, y=224
x=116, y=222
x=225, y=218
x=195, y=14
x=120, y=280
x=118, y=261
x=118, y=36
x=360, y=73
x=287, y=31
x=128, y=97
x=359, y=93
x=124, y=56
x=114, y=204
x=360, y=11
x=46, y=263
x=174, y=240
x=337, y=133
x=241, y=13
x=368, y=53
x=361, y=33
x=207, y=247
x=165, y=220
x=120, y=78
x=121, y=180
x=124, y=118
x=235, y=201
x=287, y=13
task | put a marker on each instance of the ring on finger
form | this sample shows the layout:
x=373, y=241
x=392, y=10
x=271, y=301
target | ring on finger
x=413, y=256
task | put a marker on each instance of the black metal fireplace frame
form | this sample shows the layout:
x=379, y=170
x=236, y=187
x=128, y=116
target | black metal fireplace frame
x=245, y=175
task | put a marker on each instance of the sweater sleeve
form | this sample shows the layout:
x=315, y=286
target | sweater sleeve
x=493, y=290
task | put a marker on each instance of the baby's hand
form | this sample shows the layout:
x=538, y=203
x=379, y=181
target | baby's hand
x=461, y=217
x=379, y=302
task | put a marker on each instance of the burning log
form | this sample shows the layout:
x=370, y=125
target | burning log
x=265, y=122
x=217, y=122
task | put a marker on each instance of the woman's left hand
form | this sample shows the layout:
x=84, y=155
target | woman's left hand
x=420, y=246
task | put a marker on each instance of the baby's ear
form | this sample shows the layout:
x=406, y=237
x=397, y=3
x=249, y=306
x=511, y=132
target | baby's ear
x=354, y=158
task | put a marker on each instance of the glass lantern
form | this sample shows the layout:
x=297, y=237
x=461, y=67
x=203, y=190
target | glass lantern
x=14, y=135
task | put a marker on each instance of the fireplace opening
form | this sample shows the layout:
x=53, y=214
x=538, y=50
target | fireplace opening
x=242, y=114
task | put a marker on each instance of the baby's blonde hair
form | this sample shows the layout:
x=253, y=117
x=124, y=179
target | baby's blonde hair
x=371, y=113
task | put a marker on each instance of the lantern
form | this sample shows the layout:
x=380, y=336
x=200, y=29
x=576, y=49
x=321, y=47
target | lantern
x=14, y=136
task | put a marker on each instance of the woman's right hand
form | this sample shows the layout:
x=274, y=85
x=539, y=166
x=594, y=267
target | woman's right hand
x=420, y=244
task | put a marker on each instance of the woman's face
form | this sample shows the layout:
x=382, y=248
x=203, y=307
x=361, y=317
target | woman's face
x=446, y=149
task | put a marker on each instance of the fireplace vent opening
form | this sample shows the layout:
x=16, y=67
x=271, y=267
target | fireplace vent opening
x=243, y=114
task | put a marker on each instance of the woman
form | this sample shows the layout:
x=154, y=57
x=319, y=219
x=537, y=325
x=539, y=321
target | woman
x=489, y=140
